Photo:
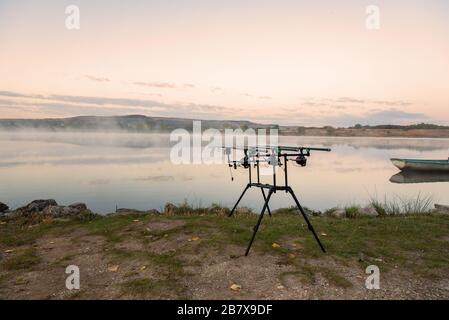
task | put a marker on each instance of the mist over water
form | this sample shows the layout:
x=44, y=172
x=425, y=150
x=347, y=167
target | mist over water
x=106, y=170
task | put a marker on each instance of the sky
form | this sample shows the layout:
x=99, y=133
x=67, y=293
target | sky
x=270, y=61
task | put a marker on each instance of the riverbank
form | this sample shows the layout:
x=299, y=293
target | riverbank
x=199, y=254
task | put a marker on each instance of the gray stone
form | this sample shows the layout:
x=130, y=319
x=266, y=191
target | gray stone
x=337, y=213
x=79, y=206
x=244, y=211
x=36, y=206
x=153, y=211
x=3, y=207
x=54, y=211
x=63, y=211
x=170, y=209
x=441, y=209
x=126, y=211
x=368, y=211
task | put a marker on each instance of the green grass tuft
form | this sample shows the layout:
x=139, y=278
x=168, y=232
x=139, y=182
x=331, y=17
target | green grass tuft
x=25, y=260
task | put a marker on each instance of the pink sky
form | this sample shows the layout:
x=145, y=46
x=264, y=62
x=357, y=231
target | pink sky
x=271, y=61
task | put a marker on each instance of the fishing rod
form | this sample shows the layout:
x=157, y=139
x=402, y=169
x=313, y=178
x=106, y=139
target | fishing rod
x=254, y=153
x=274, y=156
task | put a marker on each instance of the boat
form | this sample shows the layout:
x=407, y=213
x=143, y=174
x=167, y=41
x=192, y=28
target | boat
x=421, y=164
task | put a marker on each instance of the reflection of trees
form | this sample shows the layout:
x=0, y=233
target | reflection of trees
x=412, y=144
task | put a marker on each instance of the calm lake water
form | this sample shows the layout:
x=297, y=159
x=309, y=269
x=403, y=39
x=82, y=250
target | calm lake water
x=135, y=171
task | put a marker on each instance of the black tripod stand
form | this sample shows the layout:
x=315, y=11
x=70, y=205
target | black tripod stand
x=272, y=188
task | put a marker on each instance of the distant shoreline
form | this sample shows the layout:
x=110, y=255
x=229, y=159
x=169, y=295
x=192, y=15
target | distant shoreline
x=144, y=124
x=309, y=132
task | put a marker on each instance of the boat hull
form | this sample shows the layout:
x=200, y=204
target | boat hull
x=421, y=165
x=420, y=177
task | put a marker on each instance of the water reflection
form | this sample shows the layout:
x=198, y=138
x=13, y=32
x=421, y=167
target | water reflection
x=135, y=171
x=419, y=177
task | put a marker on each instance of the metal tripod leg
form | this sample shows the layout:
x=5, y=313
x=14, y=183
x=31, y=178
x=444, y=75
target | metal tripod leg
x=237, y=203
x=265, y=198
x=256, y=227
x=289, y=189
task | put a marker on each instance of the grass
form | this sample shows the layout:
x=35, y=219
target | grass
x=402, y=206
x=415, y=243
x=352, y=211
x=168, y=262
x=150, y=287
x=113, y=228
x=25, y=260
x=307, y=273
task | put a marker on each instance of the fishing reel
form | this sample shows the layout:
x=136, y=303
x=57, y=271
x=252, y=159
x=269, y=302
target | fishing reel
x=245, y=162
x=301, y=159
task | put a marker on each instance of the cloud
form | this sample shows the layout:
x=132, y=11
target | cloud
x=25, y=105
x=20, y=95
x=312, y=102
x=349, y=100
x=392, y=116
x=216, y=89
x=97, y=79
x=163, y=85
x=397, y=103
x=68, y=105
x=265, y=98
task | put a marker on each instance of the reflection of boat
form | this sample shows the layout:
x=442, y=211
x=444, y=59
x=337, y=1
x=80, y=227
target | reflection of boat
x=421, y=165
x=420, y=177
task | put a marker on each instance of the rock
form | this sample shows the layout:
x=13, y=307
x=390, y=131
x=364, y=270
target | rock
x=311, y=212
x=337, y=213
x=441, y=209
x=244, y=211
x=126, y=211
x=55, y=211
x=368, y=211
x=3, y=207
x=170, y=209
x=36, y=206
x=79, y=206
x=235, y=287
x=50, y=208
x=61, y=211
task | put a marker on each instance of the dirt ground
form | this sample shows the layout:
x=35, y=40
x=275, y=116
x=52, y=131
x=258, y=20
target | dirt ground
x=147, y=257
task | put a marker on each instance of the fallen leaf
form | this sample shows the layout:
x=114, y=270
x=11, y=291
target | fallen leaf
x=291, y=255
x=136, y=220
x=280, y=287
x=9, y=251
x=52, y=242
x=323, y=234
x=143, y=267
x=113, y=268
x=194, y=238
x=275, y=245
x=235, y=287
x=3, y=222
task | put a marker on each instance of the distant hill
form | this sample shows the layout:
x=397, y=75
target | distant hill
x=418, y=126
x=140, y=123
x=129, y=123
